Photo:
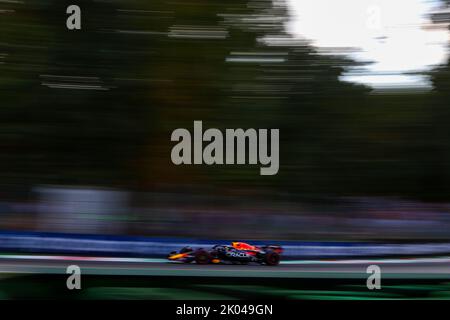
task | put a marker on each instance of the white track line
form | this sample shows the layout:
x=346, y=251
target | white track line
x=288, y=262
x=78, y=258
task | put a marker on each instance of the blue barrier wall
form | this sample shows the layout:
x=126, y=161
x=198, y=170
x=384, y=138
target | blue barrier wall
x=159, y=247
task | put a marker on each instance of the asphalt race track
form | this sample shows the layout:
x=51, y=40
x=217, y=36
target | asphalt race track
x=420, y=268
x=107, y=278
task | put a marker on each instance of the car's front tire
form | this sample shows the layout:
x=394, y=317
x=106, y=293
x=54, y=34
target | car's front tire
x=202, y=257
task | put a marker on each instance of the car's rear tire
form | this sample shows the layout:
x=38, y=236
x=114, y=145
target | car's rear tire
x=272, y=258
x=202, y=257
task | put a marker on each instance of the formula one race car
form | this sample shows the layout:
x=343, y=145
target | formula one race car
x=237, y=253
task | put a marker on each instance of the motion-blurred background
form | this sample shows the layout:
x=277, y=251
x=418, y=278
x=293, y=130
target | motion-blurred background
x=358, y=89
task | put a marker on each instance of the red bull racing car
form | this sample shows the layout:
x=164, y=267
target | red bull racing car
x=236, y=253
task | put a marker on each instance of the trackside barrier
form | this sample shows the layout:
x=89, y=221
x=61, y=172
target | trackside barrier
x=160, y=247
